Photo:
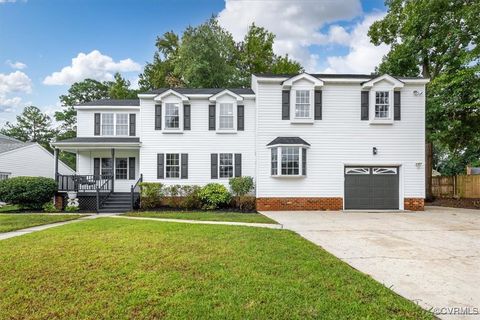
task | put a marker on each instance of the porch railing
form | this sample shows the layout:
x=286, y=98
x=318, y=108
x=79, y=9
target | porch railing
x=85, y=183
x=135, y=192
x=107, y=186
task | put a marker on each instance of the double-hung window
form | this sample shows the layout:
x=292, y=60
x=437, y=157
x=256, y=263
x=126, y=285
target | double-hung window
x=225, y=167
x=121, y=168
x=106, y=168
x=172, y=116
x=108, y=126
x=288, y=161
x=302, y=104
x=226, y=116
x=121, y=124
x=382, y=105
x=172, y=165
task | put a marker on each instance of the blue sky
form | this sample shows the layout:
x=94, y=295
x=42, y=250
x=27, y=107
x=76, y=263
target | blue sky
x=39, y=39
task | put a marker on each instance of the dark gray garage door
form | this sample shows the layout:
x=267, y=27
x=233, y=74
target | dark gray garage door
x=371, y=188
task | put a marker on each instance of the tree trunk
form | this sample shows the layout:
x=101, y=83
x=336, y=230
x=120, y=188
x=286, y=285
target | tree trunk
x=428, y=171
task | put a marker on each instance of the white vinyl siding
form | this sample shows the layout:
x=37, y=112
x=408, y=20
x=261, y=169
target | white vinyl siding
x=85, y=120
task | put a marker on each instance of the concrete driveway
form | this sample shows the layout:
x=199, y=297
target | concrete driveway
x=431, y=257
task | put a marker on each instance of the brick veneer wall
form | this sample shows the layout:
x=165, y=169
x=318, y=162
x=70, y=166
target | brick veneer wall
x=414, y=204
x=274, y=204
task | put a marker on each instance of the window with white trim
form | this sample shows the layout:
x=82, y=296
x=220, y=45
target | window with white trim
x=4, y=175
x=172, y=165
x=382, y=105
x=226, y=116
x=172, y=116
x=121, y=168
x=288, y=161
x=302, y=104
x=121, y=124
x=108, y=127
x=106, y=167
x=225, y=168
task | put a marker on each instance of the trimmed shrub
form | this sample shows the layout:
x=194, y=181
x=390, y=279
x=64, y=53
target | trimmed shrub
x=191, y=197
x=71, y=208
x=246, y=203
x=28, y=192
x=214, y=196
x=150, y=194
x=241, y=186
x=174, y=194
x=49, y=207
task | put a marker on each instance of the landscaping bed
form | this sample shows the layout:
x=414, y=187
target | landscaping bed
x=124, y=269
x=204, y=216
x=456, y=203
x=11, y=222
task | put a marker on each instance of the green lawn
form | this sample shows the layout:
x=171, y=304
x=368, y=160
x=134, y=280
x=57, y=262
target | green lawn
x=124, y=269
x=204, y=216
x=16, y=221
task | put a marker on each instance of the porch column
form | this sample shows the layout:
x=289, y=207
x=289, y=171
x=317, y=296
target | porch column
x=55, y=153
x=113, y=169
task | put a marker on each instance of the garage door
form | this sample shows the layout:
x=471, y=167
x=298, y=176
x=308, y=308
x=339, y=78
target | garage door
x=371, y=188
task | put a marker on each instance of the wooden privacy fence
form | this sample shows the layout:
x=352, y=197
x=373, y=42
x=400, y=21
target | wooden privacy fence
x=456, y=186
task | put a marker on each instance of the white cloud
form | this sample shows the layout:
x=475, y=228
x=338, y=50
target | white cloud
x=5, y=1
x=10, y=104
x=363, y=56
x=93, y=65
x=296, y=24
x=16, y=65
x=15, y=82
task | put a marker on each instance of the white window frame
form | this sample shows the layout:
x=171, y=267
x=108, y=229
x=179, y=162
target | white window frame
x=102, y=117
x=102, y=114
x=279, y=149
x=372, y=103
x=217, y=116
x=116, y=124
x=179, y=166
x=5, y=175
x=233, y=165
x=115, y=168
x=180, y=116
x=101, y=165
x=293, y=104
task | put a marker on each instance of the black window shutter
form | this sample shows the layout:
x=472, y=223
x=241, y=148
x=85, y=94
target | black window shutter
x=318, y=104
x=211, y=117
x=238, y=164
x=304, y=161
x=396, y=105
x=160, y=171
x=97, y=124
x=133, y=121
x=184, y=164
x=214, y=166
x=285, y=104
x=364, y=105
x=240, y=118
x=186, y=117
x=96, y=166
x=158, y=117
x=131, y=168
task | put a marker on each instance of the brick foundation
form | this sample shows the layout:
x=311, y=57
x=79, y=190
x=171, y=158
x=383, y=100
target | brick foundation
x=280, y=204
x=414, y=204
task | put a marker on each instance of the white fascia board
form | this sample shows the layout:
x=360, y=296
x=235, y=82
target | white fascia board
x=416, y=81
x=316, y=82
x=394, y=81
x=107, y=107
x=169, y=92
x=225, y=92
x=146, y=95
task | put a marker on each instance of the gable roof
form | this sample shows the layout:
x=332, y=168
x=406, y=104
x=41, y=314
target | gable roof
x=226, y=92
x=9, y=144
x=112, y=102
x=210, y=91
x=331, y=76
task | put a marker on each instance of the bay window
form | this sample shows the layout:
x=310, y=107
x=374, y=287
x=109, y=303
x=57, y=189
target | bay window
x=288, y=161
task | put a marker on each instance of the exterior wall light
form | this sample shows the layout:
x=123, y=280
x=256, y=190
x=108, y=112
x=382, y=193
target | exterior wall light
x=374, y=150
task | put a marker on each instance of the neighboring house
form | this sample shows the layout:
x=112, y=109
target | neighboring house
x=19, y=158
x=473, y=170
x=311, y=141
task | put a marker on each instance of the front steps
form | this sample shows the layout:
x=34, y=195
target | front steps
x=117, y=202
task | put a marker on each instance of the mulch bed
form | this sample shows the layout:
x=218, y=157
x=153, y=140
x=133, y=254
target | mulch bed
x=456, y=203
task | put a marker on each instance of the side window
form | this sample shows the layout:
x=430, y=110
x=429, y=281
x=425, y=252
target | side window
x=172, y=165
x=302, y=104
x=225, y=165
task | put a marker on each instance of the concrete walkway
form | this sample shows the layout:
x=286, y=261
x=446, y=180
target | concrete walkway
x=227, y=223
x=431, y=257
x=21, y=232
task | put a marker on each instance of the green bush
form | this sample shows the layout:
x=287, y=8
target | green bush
x=191, y=197
x=49, y=207
x=150, y=195
x=241, y=186
x=174, y=194
x=246, y=203
x=28, y=192
x=71, y=208
x=214, y=196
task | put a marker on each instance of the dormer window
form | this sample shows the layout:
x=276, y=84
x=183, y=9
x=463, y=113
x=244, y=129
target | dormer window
x=226, y=116
x=302, y=104
x=382, y=105
x=226, y=113
x=172, y=116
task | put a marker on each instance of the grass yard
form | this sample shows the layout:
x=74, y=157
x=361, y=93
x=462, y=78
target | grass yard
x=17, y=221
x=205, y=216
x=124, y=269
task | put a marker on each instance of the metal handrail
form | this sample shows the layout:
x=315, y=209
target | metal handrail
x=132, y=191
x=104, y=186
x=83, y=183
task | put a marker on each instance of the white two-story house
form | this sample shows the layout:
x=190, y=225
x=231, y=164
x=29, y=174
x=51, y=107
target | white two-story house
x=310, y=141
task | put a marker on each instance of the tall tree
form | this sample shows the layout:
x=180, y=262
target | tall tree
x=120, y=88
x=433, y=38
x=32, y=125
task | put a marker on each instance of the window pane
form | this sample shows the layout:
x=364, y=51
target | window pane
x=172, y=116
x=382, y=104
x=290, y=160
x=122, y=124
x=172, y=165
x=274, y=162
x=226, y=165
x=226, y=116
x=106, y=167
x=121, y=168
x=302, y=104
x=107, y=124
